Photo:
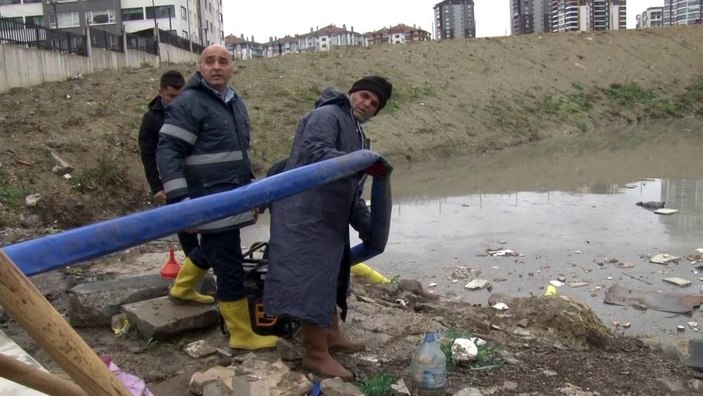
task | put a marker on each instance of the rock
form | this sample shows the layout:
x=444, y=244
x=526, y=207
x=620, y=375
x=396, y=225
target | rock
x=199, y=349
x=54, y=144
x=464, y=350
x=287, y=351
x=477, y=284
x=199, y=380
x=337, y=387
x=248, y=385
x=469, y=392
x=460, y=273
x=663, y=259
x=32, y=199
x=30, y=221
x=678, y=281
x=217, y=388
x=696, y=385
x=524, y=323
x=273, y=376
x=94, y=304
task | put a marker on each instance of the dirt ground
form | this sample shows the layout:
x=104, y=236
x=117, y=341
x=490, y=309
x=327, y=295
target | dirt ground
x=451, y=97
x=540, y=346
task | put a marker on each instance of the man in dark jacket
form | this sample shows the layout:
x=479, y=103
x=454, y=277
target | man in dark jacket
x=193, y=268
x=204, y=149
x=309, y=245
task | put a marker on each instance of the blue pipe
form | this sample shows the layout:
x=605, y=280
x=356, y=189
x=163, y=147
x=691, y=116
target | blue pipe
x=81, y=244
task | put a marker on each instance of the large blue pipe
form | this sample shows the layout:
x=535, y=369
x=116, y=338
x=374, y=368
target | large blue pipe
x=91, y=241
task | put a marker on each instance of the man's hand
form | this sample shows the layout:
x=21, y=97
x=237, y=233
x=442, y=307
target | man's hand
x=379, y=168
x=160, y=197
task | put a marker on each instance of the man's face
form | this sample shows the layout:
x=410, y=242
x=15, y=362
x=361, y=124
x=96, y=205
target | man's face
x=216, y=67
x=365, y=104
x=169, y=93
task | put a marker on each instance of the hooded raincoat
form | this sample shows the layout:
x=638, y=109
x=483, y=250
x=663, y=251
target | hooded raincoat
x=309, y=242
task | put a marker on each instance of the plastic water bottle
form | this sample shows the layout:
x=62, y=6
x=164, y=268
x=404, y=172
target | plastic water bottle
x=428, y=369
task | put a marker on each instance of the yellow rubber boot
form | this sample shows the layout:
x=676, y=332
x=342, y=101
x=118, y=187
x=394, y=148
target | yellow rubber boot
x=241, y=336
x=183, y=290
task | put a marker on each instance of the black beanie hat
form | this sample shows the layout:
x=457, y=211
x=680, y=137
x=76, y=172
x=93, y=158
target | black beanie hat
x=378, y=85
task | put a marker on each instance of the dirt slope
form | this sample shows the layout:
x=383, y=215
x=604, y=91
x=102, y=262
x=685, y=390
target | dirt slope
x=452, y=96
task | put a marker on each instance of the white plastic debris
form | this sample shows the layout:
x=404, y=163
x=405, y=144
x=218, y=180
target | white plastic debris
x=502, y=252
x=464, y=350
x=556, y=283
x=432, y=284
x=501, y=306
x=665, y=211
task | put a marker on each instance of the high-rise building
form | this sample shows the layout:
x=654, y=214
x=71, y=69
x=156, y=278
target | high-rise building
x=530, y=16
x=455, y=19
x=651, y=17
x=588, y=15
x=682, y=12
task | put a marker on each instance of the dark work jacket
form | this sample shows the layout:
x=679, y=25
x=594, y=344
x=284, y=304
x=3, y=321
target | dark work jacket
x=204, y=148
x=309, y=241
x=152, y=121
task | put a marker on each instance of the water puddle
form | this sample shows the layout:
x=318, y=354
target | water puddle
x=569, y=210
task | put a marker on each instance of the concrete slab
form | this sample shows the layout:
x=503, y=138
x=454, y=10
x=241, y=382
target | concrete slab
x=163, y=319
x=10, y=349
x=94, y=304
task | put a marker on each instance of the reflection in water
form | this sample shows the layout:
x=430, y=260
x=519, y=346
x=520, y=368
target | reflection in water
x=610, y=209
x=687, y=197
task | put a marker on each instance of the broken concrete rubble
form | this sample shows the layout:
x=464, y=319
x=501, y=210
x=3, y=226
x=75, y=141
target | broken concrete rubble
x=94, y=304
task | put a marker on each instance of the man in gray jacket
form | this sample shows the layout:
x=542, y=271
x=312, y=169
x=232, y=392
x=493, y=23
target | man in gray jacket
x=204, y=149
x=309, y=245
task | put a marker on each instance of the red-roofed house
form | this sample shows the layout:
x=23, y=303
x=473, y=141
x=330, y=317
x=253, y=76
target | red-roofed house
x=330, y=37
x=282, y=46
x=398, y=34
x=242, y=48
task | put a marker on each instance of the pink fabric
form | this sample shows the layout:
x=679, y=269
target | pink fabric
x=135, y=385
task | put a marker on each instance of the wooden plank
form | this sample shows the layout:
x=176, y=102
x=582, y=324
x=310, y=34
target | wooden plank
x=26, y=305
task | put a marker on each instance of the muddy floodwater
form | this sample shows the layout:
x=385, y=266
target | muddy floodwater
x=568, y=209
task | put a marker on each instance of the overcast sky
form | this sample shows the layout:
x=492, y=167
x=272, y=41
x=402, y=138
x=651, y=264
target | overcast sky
x=276, y=18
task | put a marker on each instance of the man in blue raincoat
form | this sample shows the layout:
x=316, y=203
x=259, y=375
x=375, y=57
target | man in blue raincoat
x=309, y=243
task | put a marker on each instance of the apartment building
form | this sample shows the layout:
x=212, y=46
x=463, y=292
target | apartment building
x=281, y=46
x=397, y=34
x=565, y=15
x=530, y=16
x=455, y=19
x=588, y=15
x=682, y=12
x=70, y=15
x=198, y=20
x=244, y=48
x=329, y=37
x=651, y=17
x=30, y=12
